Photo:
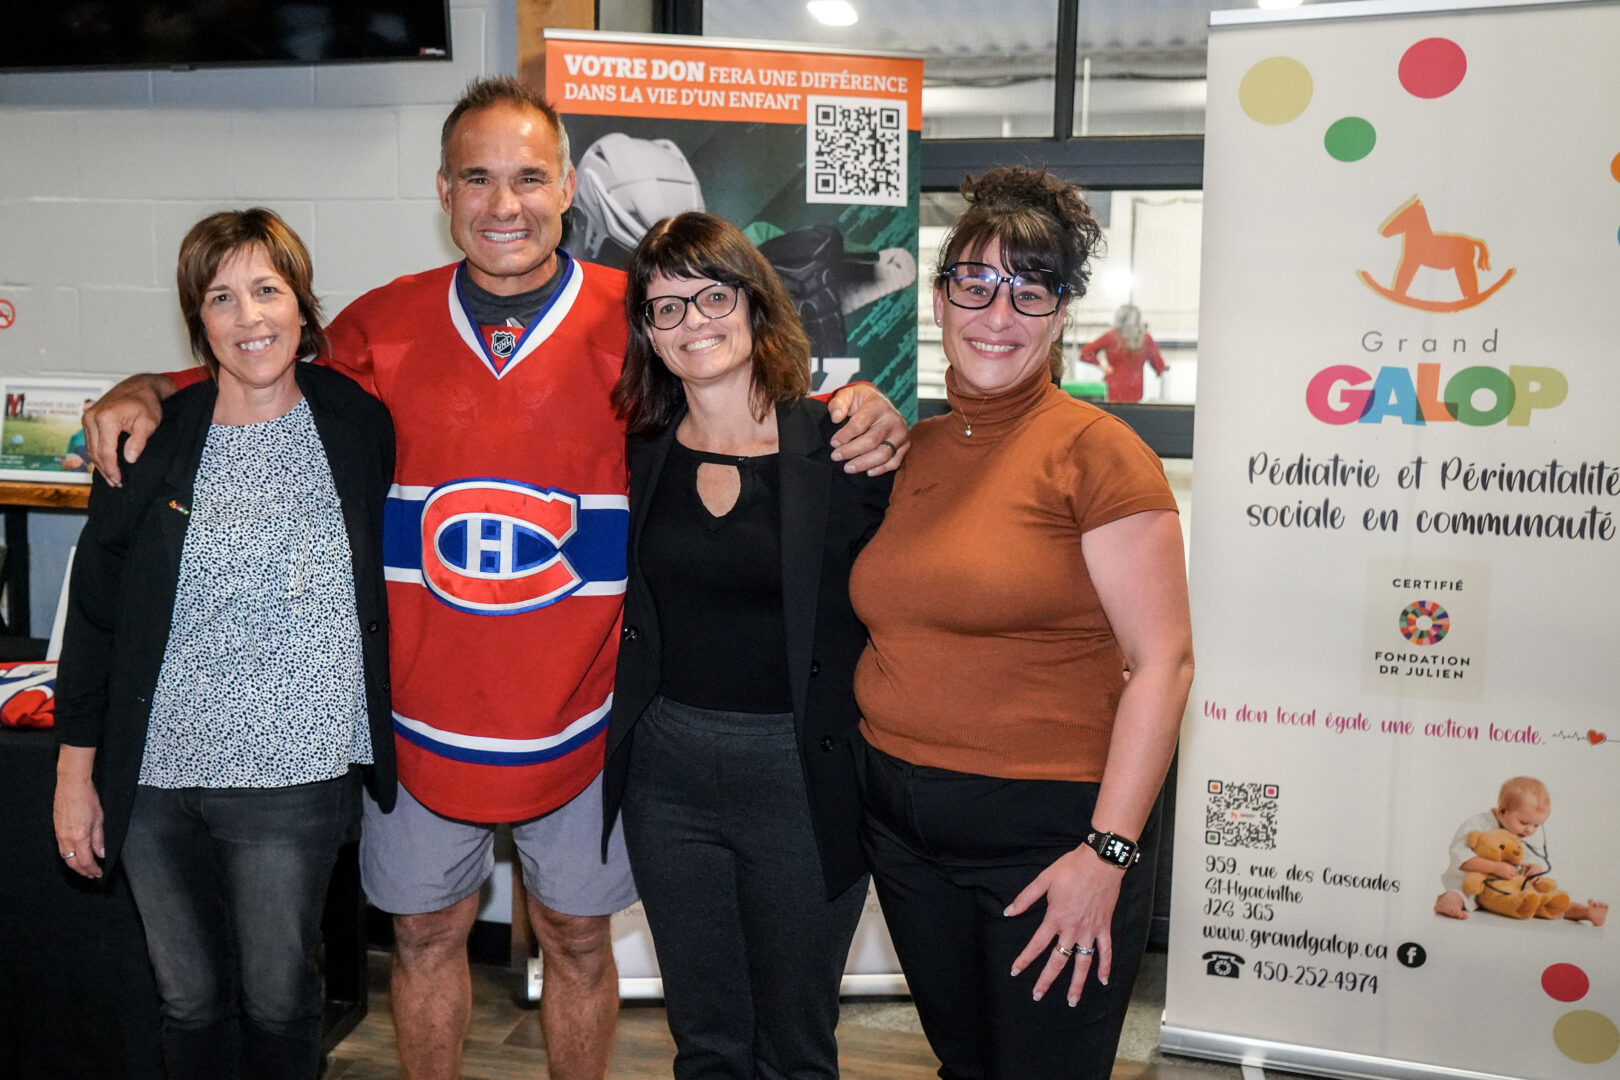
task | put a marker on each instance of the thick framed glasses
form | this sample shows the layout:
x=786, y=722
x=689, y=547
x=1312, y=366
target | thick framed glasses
x=973, y=285
x=712, y=301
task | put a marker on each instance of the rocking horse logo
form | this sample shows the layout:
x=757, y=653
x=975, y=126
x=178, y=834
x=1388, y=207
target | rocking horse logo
x=1421, y=246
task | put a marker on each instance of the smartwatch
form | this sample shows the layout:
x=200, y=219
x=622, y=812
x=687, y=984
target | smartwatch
x=1114, y=850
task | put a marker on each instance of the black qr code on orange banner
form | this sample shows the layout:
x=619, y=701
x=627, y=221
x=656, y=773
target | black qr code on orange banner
x=1241, y=814
x=855, y=151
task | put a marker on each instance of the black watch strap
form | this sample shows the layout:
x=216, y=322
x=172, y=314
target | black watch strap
x=1113, y=849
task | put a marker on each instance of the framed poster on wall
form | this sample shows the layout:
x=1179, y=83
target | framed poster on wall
x=41, y=435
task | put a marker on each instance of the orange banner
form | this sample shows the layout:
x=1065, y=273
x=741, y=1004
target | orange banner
x=695, y=82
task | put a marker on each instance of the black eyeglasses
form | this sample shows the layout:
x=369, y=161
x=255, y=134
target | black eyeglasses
x=712, y=301
x=973, y=285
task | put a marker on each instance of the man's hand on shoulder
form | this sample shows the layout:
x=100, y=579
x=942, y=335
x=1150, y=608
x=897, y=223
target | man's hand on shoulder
x=875, y=440
x=134, y=406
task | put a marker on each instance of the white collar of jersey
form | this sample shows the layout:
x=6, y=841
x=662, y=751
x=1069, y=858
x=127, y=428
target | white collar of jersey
x=545, y=321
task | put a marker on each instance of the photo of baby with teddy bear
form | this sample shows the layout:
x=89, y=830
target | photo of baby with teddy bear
x=1490, y=860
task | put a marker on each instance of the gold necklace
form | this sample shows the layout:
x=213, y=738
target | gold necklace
x=967, y=424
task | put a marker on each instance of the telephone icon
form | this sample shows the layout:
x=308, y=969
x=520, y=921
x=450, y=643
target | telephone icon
x=1225, y=965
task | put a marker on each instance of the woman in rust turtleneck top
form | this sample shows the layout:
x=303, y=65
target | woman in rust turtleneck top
x=1029, y=660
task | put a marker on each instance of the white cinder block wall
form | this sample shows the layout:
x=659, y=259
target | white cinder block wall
x=102, y=173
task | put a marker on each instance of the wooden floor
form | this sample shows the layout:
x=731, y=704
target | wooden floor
x=504, y=1043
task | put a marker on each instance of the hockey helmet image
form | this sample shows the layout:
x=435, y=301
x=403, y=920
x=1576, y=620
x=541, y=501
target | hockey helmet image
x=625, y=185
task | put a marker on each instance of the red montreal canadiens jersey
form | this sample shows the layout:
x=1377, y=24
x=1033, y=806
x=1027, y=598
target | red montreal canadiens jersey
x=504, y=535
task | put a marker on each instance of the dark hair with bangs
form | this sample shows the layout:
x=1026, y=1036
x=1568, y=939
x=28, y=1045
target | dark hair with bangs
x=697, y=245
x=1042, y=223
x=219, y=236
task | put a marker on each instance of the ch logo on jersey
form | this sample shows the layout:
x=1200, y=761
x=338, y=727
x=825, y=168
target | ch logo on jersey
x=494, y=546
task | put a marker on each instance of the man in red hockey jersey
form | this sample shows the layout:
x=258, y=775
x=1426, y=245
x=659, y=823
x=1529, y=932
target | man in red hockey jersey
x=504, y=549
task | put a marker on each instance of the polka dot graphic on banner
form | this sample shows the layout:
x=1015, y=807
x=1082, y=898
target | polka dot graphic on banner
x=1432, y=68
x=1565, y=982
x=1350, y=139
x=1582, y=1035
x=1275, y=90
x=1586, y=1036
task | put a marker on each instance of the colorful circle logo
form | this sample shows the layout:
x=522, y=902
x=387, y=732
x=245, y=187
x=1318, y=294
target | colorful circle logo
x=1423, y=622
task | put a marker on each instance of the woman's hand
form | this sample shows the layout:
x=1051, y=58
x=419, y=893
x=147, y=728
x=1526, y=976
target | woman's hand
x=77, y=812
x=1081, y=891
x=875, y=440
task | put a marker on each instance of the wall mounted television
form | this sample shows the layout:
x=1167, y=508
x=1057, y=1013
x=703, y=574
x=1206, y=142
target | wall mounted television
x=178, y=34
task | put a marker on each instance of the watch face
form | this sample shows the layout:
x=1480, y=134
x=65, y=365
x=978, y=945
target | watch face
x=1114, y=849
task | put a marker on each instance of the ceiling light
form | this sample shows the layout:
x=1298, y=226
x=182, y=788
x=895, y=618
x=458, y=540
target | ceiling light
x=833, y=12
x=1117, y=284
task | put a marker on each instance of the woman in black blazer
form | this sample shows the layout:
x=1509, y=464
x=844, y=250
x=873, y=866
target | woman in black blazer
x=224, y=674
x=731, y=742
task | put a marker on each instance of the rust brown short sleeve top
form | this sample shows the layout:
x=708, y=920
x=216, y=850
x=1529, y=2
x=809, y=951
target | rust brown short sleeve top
x=990, y=652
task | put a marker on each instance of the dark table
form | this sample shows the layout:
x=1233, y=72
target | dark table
x=76, y=993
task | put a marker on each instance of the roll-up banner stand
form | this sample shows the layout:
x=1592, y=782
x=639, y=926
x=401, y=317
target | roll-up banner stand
x=815, y=154
x=1405, y=570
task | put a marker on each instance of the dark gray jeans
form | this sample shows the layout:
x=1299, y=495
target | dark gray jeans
x=717, y=822
x=230, y=884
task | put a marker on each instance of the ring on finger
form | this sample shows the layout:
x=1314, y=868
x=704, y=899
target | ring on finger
x=1084, y=950
x=68, y=854
x=893, y=449
x=1069, y=951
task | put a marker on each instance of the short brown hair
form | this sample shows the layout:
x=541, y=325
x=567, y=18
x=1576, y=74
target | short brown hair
x=502, y=90
x=697, y=245
x=216, y=238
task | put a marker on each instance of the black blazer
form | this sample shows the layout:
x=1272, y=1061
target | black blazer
x=127, y=569
x=827, y=517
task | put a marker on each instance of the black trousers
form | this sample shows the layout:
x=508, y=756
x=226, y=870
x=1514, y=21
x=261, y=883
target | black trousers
x=949, y=851
x=717, y=824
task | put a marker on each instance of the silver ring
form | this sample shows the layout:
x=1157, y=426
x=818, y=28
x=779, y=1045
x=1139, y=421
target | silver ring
x=1084, y=950
x=893, y=449
x=1065, y=952
x=68, y=854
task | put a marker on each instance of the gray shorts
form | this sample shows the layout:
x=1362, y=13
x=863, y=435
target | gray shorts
x=413, y=860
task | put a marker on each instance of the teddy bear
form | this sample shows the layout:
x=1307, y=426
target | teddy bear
x=1514, y=897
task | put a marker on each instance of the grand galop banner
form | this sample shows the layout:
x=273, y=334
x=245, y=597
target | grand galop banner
x=1398, y=779
x=814, y=154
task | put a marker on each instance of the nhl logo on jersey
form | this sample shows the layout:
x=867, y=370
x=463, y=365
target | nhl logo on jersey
x=494, y=547
x=502, y=343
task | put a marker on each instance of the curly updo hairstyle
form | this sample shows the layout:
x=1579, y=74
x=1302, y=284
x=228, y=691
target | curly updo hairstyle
x=1042, y=223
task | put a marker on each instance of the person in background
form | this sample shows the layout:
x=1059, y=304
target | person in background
x=1121, y=352
x=224, y=671
x=731, y=747
x=1030, y=657
x=498, y=370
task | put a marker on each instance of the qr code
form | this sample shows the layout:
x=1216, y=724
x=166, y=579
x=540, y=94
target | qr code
x=1241, y=815
x=856, y=151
